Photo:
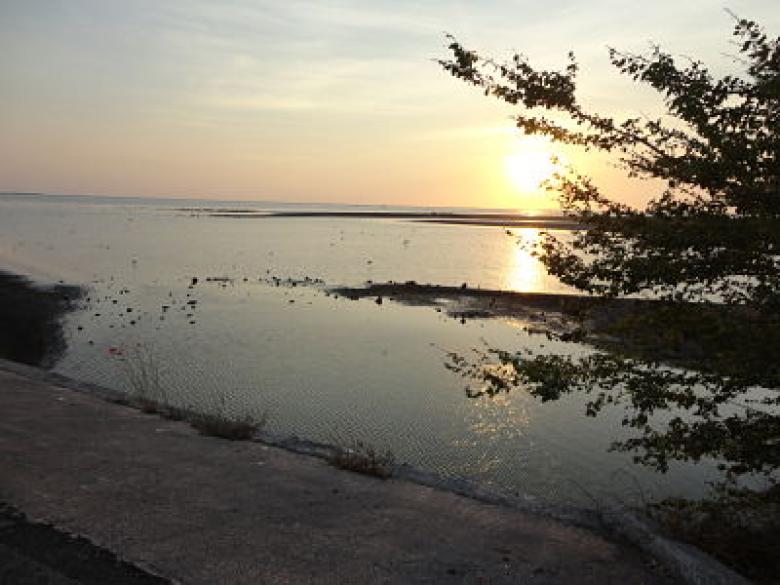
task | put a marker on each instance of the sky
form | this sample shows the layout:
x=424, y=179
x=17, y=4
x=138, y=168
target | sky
x=314, y=101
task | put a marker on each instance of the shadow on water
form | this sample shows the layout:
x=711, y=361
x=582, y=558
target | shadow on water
x=693, y=382
x=30, y=319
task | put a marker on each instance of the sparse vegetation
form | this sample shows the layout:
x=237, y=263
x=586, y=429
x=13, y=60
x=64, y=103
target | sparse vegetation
x=142, y=373
x=219, y=425
x=362, y=458
x=218, y=421
x=141, y=370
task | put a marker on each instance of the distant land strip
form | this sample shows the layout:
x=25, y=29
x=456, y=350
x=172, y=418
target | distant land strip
x=475, y=219
x=550, y=224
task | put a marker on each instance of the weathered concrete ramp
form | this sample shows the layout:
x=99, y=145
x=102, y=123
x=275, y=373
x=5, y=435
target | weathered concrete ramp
x=205, y=510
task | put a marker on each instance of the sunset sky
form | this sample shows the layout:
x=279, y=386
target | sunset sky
x=315, y=101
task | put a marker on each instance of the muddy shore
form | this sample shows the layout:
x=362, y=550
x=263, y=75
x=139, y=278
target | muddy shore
x=552, y=222
x=30, y=315
x=549, y=310
x=627, y=325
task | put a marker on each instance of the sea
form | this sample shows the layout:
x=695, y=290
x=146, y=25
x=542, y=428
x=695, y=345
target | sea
x=227, y=308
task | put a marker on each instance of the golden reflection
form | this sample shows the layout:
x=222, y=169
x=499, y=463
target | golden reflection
x=524, y=271
x=499, y=418
x=494, y=422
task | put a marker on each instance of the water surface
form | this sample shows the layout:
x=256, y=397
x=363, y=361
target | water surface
x=321, y=367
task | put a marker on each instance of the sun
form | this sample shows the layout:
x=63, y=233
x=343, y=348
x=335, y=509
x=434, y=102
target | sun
x=528, y=170
x=530, y=165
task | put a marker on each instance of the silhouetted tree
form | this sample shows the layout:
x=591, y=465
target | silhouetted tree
x=708, y=248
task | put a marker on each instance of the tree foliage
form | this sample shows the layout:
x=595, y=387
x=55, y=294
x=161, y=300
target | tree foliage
x=707, y=248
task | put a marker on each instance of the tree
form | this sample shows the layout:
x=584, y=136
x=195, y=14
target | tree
x=707, y=249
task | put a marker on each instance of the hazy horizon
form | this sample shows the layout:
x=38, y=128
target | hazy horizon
x=314, y=102
x=260, y=201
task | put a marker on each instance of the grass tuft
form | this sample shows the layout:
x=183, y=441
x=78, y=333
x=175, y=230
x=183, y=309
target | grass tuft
x=142, y=372
x=361, y=458
x=238, y=429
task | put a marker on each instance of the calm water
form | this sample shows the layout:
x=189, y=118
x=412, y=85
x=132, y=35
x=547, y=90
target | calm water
x=322, y=368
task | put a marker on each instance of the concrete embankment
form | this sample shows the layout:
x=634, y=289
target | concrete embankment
x=196, y=509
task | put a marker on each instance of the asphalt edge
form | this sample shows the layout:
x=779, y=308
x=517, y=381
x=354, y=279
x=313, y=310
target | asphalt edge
x=684, y=561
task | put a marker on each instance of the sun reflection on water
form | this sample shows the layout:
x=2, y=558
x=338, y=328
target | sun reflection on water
x=493, y=423
x=499, y=417
x=525, y=272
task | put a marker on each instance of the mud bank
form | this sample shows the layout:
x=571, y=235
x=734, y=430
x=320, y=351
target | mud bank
x=30, y=315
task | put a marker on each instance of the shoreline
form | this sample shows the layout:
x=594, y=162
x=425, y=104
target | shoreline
x=619, y=525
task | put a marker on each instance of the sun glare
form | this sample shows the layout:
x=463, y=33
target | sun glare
x=525, y=271
x=531, y=164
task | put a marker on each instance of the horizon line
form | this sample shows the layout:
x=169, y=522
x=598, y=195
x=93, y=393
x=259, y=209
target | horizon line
x=265, y=201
